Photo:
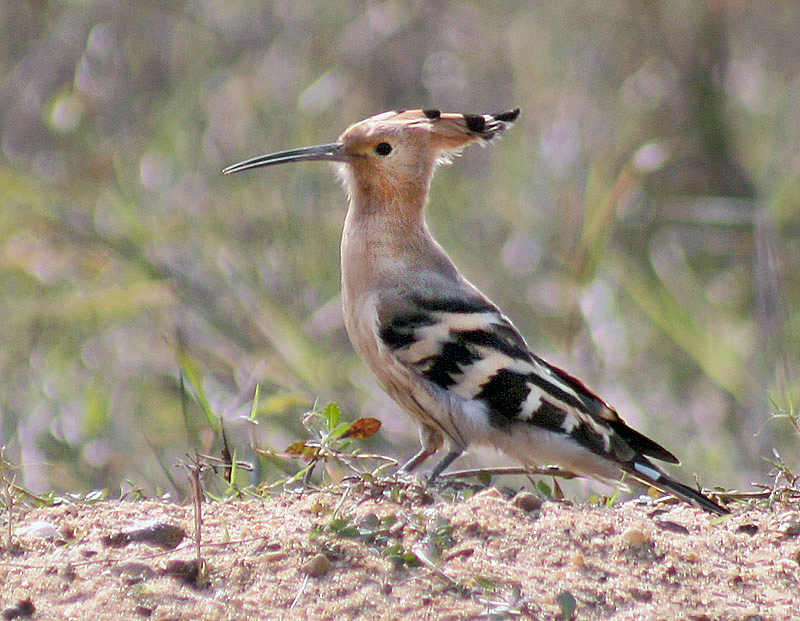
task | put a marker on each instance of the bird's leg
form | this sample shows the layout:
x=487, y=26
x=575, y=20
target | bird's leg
x=431, y=440
x=454, y=454
x=413, y=463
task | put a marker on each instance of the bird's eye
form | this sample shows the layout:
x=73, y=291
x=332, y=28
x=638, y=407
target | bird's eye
x=383, y=148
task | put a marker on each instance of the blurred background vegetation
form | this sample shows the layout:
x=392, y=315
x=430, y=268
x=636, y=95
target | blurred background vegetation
x=640, y=223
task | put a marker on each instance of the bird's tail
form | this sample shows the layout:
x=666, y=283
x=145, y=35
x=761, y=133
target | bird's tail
x=644, y=471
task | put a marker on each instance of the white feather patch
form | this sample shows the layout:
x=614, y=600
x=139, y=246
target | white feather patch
x=429, y=339
x=474, y=376
x=650, y=473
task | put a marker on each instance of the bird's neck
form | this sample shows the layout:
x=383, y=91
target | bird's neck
x=385, y=238
x=377, y=229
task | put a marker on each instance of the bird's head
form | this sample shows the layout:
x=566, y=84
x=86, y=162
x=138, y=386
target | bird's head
x=395, y=152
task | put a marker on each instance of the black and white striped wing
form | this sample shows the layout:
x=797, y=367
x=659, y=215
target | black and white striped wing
x=466, y=346
x=463, y=345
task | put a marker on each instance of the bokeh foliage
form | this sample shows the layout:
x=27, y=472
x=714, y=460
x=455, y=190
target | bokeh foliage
x=640, y=223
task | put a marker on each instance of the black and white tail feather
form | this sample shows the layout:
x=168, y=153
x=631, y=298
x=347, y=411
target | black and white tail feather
x=644, y=471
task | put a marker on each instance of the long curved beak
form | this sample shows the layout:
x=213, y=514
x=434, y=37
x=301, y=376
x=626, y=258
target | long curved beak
x=332, y=152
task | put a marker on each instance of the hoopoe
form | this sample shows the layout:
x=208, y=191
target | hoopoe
x=439, y=347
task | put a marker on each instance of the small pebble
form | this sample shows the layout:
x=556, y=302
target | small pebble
x=792, y=529
x=274, y=557
x=66, y=532
x=38, y=530
x=133, y=572
x=24, y=609
x=464, y=553
x=396, y=529
x=472, y=528
x=67, y=572
x=787, y=565
x=490, y=493
x=153, y=533
x=317, y=566
x=527, y=502
x=190, y=572
x=636, y=536
x=789, y=524
x=672, y=527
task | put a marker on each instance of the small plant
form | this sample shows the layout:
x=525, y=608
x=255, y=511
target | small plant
x=614, y=497
x=194, y=572
x=440, y=534
x=331, y=440
x=511, y=606
x=555, y=492
x=381, y=535
x=8, y=498
x=789, y=412
x=11, y=493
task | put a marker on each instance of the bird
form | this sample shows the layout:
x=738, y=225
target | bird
x=441, y=349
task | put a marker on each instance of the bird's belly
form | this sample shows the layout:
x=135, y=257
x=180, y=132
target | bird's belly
x=534, y=446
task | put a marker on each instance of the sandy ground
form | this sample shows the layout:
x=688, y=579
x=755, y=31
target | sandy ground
x=354, y=553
